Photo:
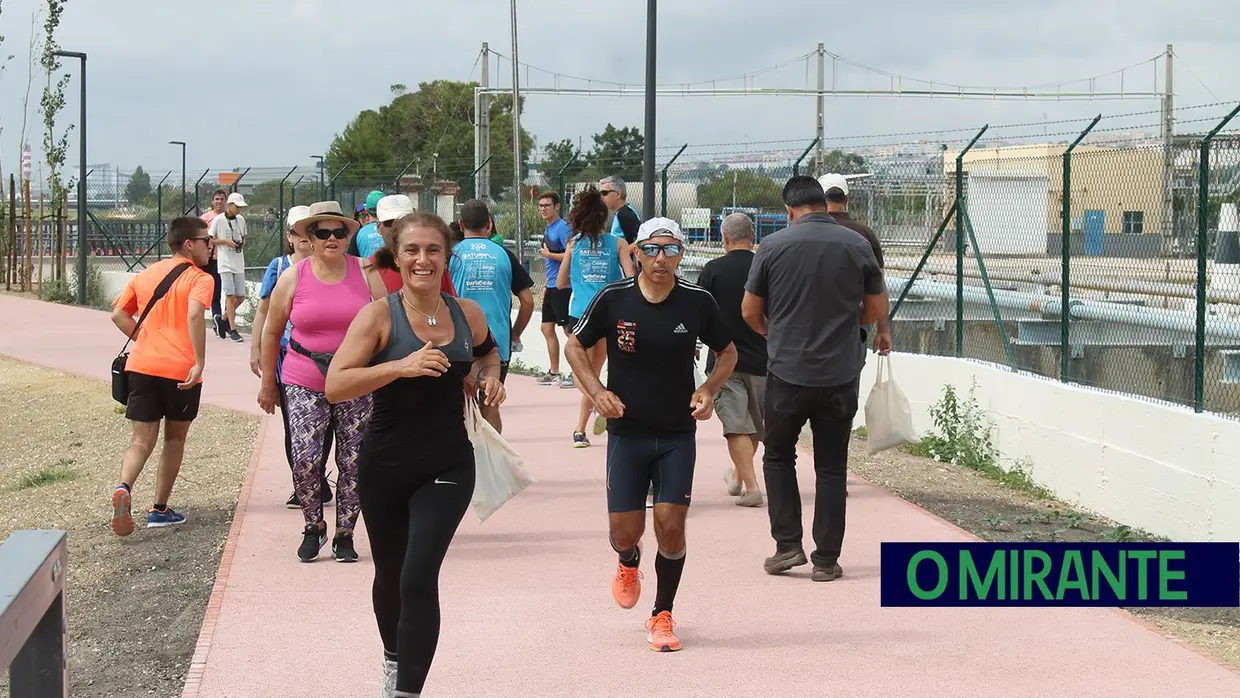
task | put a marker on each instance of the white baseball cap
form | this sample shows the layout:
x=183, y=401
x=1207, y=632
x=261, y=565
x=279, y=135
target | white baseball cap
x=831, y=181
x=297, y=214
x=392, y=207
x=238, y=199
x=659, y=226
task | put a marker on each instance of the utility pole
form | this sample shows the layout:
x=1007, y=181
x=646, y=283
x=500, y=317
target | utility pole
x=483, y=145
x=1168, y=137
x=516, y=137
x=648, y=207
x=821, y=156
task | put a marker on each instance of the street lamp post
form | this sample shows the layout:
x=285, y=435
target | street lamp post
x=81, y=196
x=516, y=138
x=182, y=144
x=322, y=178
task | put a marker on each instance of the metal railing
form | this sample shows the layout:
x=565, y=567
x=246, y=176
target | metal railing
x=33, y=642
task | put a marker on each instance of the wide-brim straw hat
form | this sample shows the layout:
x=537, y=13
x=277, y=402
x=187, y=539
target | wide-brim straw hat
x=325, y=211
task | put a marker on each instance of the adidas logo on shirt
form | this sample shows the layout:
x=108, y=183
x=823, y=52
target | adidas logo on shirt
x=680, y=329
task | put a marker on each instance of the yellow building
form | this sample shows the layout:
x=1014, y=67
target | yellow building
x=1015, y=195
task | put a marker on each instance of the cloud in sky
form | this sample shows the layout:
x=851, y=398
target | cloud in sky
x=269, y=82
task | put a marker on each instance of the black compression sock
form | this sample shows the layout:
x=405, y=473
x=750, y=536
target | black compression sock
x=668, y=573
x=629, y=558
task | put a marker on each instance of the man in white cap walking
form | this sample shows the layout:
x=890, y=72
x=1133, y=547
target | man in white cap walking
x=835, y=186
x=229, y=233
x=651, y=324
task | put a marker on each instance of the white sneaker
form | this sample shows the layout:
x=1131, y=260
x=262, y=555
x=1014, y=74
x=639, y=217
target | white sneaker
x=389, y=679
x=567, y=382
x=734, y=484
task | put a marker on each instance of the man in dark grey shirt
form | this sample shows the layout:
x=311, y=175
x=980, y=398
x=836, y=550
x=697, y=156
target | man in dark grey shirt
x=811, y=286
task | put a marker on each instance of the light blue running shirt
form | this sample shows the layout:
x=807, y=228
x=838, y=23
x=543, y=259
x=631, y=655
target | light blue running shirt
x=482, y=272
x=591, y=268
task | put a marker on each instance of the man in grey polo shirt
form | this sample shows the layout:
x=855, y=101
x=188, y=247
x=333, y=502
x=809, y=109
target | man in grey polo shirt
x=811, y=286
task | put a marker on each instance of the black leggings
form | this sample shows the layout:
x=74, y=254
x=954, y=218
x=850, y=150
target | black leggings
x=410, y=519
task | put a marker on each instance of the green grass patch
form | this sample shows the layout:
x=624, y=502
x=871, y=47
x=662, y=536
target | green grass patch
x=61, y=471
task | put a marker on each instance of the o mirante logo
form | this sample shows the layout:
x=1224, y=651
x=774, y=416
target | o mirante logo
x=1061, y=574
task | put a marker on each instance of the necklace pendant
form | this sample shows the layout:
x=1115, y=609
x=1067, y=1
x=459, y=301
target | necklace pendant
x=430, y=321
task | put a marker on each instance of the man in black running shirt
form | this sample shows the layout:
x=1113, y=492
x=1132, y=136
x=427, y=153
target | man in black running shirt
x=651, y=323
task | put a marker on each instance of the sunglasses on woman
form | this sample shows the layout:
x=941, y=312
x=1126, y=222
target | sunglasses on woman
x=652, y=249
x=325, y=233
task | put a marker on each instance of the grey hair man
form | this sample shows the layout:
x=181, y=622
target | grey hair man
x=739, y=403
x=625, y=219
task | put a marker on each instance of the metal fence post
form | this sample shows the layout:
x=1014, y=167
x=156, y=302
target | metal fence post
x=938, y=234
x=559, y=176
x=1203, y=240
x=960, y=243
x=796, y=166
x=990, y=290
x=1065, y=271
x=663, y=180
x=337, y=176
x=197, y=197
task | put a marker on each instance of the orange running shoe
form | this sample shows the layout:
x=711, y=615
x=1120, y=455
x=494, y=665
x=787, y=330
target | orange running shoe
x=626, y=586
x=122, y=516
x=660, y=634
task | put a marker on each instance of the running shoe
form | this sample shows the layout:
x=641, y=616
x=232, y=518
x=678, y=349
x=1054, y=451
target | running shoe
x=389, y=679
x=219, y=326
x=626, y=586
x=567, y=382
x=751, y=498
x=549, y=379
x=342, y=548
x=122, y=515
x=660, y=635
x=580, y=440
x=312, y=542
x=163, y=519
x=734, y=484
x=235, y=336
x=827, y=574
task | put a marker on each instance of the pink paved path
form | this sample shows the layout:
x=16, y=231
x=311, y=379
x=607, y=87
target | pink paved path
x=527, y=610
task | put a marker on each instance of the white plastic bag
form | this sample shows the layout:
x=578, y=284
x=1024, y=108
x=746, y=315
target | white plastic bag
x=888, y=416
x=500, y=470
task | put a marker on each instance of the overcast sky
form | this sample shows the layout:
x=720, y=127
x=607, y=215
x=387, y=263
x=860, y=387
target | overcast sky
x=269, y=82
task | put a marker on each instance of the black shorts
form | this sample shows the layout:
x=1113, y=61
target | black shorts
x=555, y=306
x=503, y=372
x=152, y=399
x=635, y=463
x=571, y=324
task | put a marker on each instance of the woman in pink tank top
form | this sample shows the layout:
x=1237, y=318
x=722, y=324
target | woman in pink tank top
x=320, y=295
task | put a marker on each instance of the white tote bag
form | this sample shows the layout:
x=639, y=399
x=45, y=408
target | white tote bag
x=501, y=473
x=888, y=416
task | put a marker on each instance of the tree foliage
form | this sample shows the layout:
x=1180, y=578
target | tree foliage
x=741, y=188
x=54, y=147
x=615, y=151
x=431, y=126
x=139, y=187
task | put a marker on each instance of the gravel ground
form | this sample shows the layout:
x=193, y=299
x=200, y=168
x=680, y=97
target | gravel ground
x=135, y=605
x=996, y=512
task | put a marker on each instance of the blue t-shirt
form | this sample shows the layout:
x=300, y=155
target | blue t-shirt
x=268, y=287
x=369, y=241
x=488, y=274
x=591, y=268
x=556, y=238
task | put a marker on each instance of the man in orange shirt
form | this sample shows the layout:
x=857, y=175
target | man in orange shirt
x=164, y=368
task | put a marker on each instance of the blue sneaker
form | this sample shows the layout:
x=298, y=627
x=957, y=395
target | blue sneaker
x=164, y=519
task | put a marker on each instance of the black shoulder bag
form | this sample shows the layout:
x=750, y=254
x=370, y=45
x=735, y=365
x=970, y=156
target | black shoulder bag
x=120, y=380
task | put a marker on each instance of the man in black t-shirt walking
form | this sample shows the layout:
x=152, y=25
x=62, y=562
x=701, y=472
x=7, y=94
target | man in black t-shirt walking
x=739, y=403
x=651, y=323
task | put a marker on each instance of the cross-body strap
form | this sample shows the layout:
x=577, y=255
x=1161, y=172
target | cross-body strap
x=160, y=291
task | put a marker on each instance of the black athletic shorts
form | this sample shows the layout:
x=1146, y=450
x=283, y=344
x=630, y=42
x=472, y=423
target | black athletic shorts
x=503, y=372
x=571, y=324
x=635, y=463
x=555, y=306
x=152, y=399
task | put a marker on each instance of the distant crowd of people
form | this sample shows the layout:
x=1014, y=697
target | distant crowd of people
x=373, y=332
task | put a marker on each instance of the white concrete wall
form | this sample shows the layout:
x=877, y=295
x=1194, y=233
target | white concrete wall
x=1155, y=467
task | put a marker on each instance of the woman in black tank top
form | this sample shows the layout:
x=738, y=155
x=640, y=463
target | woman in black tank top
x=419, y=352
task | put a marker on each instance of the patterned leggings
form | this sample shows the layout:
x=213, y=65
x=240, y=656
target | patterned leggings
x=310, y=415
